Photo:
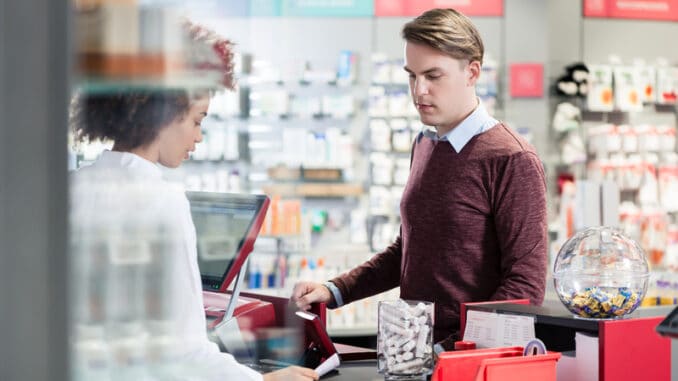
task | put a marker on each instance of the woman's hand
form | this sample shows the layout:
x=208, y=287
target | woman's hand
x=292, y=373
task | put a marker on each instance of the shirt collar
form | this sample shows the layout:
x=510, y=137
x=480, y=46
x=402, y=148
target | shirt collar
x=132, y=161
x=478, y=122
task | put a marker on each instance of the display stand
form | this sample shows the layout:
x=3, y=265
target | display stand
x=628, y=349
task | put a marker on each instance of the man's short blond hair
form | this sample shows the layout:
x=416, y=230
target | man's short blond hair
x=447, y=31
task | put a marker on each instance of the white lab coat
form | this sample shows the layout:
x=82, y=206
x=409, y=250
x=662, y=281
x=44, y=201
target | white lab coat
x=186, y=289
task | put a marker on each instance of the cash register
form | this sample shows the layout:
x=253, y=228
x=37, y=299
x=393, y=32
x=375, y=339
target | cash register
x=227, y=226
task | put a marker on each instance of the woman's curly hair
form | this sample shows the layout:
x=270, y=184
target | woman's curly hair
x=130, y=118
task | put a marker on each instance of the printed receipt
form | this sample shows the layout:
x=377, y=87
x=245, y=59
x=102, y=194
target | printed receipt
x=492, y=330
x=331, y=363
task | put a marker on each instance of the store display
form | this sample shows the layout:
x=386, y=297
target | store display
x=641, y=160
x=663, y=286
x=647, y=78
x=600, y=273
x=303, y=125
x=567, y=121
x=347, y=69
x=487, y=86
x=667, y=85
x=629, y=141
x=628, y=88
x=405, y=339
x=600, y=95
x=575, y=80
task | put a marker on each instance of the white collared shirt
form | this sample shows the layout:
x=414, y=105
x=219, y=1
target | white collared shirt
x=475, y=124
x=110, y=176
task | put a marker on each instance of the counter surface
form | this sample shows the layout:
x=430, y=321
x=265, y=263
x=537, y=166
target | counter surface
x=356, y=371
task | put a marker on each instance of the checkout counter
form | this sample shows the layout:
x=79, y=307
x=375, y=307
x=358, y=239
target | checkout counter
x=227, y=226
x=624, y=349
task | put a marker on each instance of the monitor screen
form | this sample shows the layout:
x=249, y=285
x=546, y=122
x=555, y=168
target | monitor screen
x=669, y=326
x=226, y=227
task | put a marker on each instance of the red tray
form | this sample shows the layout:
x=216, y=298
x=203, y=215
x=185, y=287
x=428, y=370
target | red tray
x=495, y=364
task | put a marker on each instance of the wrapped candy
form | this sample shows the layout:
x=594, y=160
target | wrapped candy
x=602, y=302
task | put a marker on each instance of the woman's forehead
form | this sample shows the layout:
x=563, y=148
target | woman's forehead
x=200, y=103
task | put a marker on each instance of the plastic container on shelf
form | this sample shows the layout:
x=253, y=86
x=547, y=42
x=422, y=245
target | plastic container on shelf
x=600, y=273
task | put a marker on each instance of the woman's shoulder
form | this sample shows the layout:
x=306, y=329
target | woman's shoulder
x=123, y=185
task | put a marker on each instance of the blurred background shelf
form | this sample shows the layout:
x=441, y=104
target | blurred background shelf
x=314, y=190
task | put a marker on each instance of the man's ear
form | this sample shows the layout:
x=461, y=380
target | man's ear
x=474, y=70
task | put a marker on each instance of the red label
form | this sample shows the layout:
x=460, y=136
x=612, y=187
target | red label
x=417, y=7
x=527, y=80
x=632, y=9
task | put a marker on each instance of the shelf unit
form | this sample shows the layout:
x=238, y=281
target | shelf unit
x=315, y=190
x=636, y=151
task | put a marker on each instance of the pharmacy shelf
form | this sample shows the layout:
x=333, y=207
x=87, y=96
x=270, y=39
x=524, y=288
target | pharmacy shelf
x=316, y=120
x=315, y=190
x=356, y=330
x=322, y=87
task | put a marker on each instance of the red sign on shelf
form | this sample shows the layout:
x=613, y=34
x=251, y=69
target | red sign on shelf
x=417, y=7
x=527, y=80
x=665, y=10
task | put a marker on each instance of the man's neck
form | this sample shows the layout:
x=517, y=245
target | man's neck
x=468, y=110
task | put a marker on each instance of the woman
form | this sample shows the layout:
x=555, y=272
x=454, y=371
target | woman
x=152, y=127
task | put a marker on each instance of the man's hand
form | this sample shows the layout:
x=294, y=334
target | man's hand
x=305, y=293
x=292, y=373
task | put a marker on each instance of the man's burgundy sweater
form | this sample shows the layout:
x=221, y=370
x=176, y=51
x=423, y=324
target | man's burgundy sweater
x=473, y=228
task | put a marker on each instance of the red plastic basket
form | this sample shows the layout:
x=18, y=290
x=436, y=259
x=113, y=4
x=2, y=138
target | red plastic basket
x=495, y=364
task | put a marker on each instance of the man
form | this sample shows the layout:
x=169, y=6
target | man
x=473, y=212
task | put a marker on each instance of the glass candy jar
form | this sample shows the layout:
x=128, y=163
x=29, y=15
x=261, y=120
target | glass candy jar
x=600, y=273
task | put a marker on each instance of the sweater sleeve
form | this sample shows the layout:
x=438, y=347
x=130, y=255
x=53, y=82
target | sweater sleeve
x=520, y=221
x=379, y=274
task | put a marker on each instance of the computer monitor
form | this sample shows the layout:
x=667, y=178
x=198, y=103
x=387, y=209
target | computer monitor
x=226, y=225
x=669, y=326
